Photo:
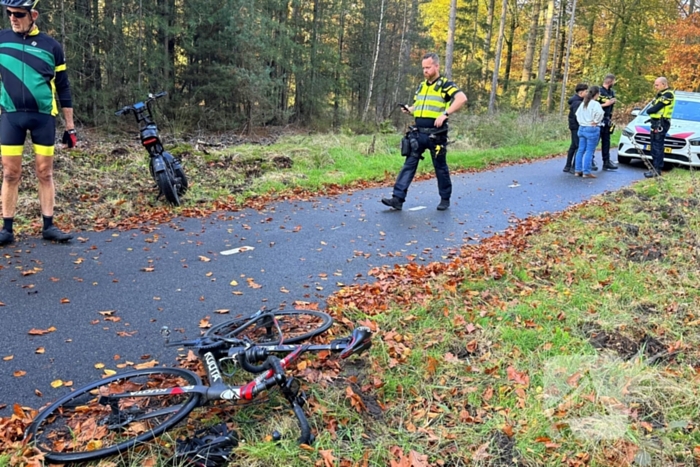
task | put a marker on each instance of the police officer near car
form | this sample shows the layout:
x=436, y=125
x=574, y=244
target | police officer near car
x=607, y=102
x=435, y=100
x=660, y=111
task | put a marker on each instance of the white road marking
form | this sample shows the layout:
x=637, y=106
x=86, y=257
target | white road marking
x=238, y=250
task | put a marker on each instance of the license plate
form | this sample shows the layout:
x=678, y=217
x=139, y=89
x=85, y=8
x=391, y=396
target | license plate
x=648, y=148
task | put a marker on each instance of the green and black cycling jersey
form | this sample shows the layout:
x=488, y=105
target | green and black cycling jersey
x=33, y=72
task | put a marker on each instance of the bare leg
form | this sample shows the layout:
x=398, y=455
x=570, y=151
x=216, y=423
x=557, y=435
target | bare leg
x=44, y=172
x=11, y=175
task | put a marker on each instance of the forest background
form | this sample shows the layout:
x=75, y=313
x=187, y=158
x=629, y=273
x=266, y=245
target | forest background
x=325, y=64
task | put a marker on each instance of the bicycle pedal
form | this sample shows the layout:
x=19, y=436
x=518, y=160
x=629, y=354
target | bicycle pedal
x=209, y=447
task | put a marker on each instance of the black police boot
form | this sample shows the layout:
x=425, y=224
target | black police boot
x=567, y=168
x=652, y=174
x=393, y=203
x=6, y=237
x=593, y=166
x=444, y=204
x=54, y=234
x=609, y=165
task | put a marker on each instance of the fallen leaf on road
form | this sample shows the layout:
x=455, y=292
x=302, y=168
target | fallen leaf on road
x=56, y=383
x=150, y=364
x=41, y=332
x=19, y=373
x=40, y=350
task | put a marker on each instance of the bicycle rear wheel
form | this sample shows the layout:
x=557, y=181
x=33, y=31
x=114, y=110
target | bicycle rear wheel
x=84, y=426
x=296, y=326
x=164, y=180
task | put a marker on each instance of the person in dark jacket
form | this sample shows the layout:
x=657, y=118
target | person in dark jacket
x=607, y=101
x=574, y=102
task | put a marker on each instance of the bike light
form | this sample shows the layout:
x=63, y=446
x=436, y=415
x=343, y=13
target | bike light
x=150, y=140
x=628, y=133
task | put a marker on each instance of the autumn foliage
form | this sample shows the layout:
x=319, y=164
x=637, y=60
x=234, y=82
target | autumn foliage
x=683, y=56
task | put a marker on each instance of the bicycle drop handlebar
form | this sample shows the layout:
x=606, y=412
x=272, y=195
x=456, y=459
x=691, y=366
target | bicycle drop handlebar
x=139, y=107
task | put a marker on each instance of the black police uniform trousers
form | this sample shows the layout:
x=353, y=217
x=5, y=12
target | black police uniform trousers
x=605, y=141
x=424, y=141
x=573, y=147
x=658, y=137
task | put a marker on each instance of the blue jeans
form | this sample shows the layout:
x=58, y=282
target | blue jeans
x=588, y=137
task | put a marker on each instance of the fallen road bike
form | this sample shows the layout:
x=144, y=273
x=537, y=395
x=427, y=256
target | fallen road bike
x=166, y=170
x=118, y=413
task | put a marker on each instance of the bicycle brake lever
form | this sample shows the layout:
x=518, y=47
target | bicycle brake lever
x=360, y=340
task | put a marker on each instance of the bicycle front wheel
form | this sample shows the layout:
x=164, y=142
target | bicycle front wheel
x=88, y=424
x=295, y=326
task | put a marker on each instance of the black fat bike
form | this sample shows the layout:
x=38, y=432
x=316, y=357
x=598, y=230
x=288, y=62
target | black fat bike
x=165, y=169
x=118, y=413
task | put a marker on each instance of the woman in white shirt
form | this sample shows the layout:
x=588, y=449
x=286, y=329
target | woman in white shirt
x=589, y=116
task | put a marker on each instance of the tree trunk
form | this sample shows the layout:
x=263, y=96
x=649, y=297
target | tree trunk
x=403, y=51
x=376, y=58
x=450, y=46
x=553, y=72
x=487, y=40
x=529, y=51
x=569, y=40
x=475, y=31
x=497, y=57
x=509, y=49
x=589, y=46
x=544, y=57
x=338, y=84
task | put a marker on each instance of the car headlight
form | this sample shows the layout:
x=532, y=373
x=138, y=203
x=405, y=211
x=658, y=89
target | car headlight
x=630, y=133
x=695, y=142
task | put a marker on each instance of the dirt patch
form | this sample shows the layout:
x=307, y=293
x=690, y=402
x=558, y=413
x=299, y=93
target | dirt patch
x=626, y=193
x=282, y=162
x=625, y=347
x=653, y=349
x=370, y=401
x=652, y=415
x=502, y=450
x=646, y=309
x=630, y=229
x=642, y=253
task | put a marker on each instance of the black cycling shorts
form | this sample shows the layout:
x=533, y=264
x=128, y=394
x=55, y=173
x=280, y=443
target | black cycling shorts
x=13, y=132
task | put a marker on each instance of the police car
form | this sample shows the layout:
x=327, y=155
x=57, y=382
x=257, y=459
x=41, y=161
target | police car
x=682, y=145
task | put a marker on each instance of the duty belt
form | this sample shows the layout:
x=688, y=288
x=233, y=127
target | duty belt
x=429, y=131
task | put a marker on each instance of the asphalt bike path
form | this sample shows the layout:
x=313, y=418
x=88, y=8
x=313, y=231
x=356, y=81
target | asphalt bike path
x=101, y=300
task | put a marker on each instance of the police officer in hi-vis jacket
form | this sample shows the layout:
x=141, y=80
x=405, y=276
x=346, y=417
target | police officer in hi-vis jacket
x=435, y=100
x=660, y=113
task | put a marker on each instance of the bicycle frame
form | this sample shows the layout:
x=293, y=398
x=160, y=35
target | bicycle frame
x=273, y=375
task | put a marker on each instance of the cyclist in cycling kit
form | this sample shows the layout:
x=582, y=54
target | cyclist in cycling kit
x=33, y=73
